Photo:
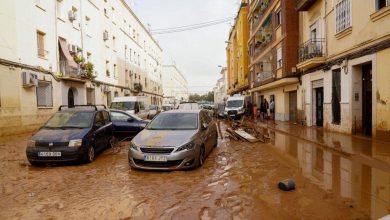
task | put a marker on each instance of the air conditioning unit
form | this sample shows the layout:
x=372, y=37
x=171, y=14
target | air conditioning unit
x=105, y=35
x=72, y=15
x=29, y=79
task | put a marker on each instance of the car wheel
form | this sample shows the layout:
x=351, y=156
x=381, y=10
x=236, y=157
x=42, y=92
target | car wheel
x=201, y=156
x=35, y=164
x=90, y=157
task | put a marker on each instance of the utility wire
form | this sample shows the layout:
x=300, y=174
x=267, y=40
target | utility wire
x=191, y=27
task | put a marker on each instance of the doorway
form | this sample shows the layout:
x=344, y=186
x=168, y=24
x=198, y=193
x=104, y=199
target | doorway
x=319, y=106
x=293, y=106
x=367, y=99
x=70, y=98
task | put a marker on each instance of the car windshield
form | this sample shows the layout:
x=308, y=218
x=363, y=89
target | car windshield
x=174, y=121
x=235, y=103
x=189, y=106
x=70, y=119
x=125, y=106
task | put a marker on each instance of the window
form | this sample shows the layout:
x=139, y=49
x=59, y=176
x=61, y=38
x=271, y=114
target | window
x=59, y=9
x=105, y=13
x=343, y=15
x=114, y=71
x=106, y=117
x=336, y=95
x=279, y=58
x=113, y=43
x=44, y=94
x=117, y=116
x=41, y=43
x=381, y=4
x=107, y=68
x=278, y=17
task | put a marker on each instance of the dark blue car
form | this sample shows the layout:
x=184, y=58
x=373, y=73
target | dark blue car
x=71, y=134
x=126, y=125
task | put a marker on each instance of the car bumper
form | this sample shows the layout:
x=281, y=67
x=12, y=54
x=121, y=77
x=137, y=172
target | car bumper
x=182, y=160
x=67, y=154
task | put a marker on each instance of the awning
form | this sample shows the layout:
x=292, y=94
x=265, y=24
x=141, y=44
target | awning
x=266, y=21
x=65, y=51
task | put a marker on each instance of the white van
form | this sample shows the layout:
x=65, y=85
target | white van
x=235, y=106
x=137, y=105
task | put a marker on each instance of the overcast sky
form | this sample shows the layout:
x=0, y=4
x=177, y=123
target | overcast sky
x=197, y=53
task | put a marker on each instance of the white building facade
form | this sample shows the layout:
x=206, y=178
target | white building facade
x=220, y=89
x=64, y=52
x=175, y=85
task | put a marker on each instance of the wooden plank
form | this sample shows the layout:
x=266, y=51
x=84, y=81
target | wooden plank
x=246, y=136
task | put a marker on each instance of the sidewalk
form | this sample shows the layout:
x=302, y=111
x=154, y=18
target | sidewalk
x=371, y=150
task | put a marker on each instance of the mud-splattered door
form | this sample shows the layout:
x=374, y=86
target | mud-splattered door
x=367, y=99
x=293, y=106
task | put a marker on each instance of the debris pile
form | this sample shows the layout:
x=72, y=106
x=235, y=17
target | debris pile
x=247, y=130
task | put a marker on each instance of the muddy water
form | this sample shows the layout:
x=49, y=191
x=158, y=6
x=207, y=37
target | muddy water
x=238, y=181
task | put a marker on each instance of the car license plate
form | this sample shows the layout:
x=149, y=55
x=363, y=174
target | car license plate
x=49, y=154
x=155, y=158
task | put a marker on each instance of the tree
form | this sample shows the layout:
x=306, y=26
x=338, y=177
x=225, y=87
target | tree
x=209, y=97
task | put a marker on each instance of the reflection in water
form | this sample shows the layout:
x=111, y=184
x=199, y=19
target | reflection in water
x=354, y=173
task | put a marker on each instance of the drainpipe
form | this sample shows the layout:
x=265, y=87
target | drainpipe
x=56, y=34
x=81, y=27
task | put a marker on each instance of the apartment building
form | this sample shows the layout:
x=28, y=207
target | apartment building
x=343, y=56
x=220, y=89
x=237, y=53
x=64, y=52
x=273, y=55
x=175, y=84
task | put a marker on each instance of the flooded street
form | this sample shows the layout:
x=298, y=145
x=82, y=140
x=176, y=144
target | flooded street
x=238, y=181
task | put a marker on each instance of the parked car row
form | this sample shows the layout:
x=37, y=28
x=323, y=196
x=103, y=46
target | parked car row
x=179, y=139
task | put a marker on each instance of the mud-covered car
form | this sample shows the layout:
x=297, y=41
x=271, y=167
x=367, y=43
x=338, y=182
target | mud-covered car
x=174, y=140
x=71, y=134
x=126, y=125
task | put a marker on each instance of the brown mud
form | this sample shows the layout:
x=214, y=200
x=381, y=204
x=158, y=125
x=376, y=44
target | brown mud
x=238, y=181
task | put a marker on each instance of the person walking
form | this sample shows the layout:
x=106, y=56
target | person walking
x=262, y=110
x=272, y=109
x=266, y=109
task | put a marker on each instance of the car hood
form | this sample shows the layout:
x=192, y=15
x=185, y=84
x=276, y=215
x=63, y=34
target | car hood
x=59, y=135
x=175, y=138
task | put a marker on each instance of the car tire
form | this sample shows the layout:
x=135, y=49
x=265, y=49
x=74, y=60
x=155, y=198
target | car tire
x=35, y=164
x=201, y=156
x=90, y=154
x=216, y=139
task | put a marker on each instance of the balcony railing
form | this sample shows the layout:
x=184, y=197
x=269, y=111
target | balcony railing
x=259, y=13
x=263, y=76
x=69, y=71
x=311, y=49
x=304, y=5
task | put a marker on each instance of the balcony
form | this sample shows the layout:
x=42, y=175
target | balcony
x=311, y=53
x=258, y=13
x=304, y=5
x=263, y=77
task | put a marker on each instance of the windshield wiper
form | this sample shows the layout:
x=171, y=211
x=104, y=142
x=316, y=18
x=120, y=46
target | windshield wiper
x=78, y=127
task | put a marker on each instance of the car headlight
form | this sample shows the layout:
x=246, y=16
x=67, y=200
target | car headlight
x=188, y=146
x=31, y=143
x=75, y=143
x=133, y=146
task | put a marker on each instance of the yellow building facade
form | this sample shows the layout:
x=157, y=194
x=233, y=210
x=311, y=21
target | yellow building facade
x=237, y=55
x=344, y=57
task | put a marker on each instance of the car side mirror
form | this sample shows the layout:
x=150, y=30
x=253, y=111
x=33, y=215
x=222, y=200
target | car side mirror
x=130, y=120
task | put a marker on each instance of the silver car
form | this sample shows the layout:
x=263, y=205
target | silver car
x=174, y=140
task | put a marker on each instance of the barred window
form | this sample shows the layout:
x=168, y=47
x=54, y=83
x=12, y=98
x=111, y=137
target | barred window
x=44, y=94
x=343, y=15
